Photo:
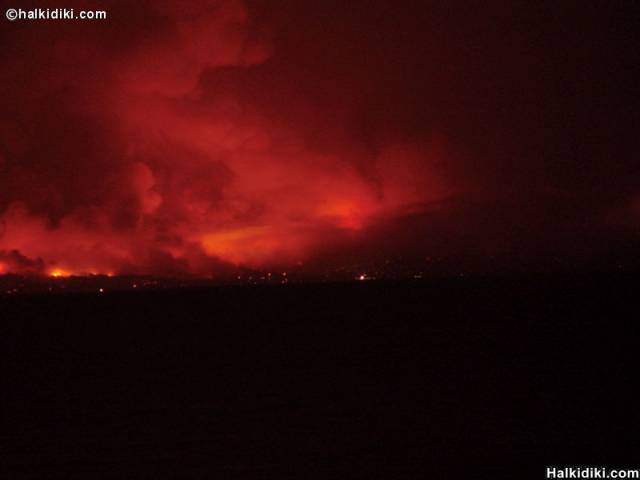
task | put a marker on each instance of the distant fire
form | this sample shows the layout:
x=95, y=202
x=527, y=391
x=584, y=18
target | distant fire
x=59, y=273
x=166, y=172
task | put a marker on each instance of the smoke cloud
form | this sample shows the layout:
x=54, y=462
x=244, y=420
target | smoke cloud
x=138, y=145
x=185, y=137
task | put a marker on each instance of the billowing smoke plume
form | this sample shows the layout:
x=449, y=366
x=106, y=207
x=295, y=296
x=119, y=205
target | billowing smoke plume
x=192, y=136
x=144, y=144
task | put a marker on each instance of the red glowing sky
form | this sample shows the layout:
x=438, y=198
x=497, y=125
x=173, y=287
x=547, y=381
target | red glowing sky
x=183, y=136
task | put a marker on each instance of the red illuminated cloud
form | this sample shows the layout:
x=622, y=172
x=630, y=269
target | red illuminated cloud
x=122, y=160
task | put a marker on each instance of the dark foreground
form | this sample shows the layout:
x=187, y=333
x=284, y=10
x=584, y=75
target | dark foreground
x=450, y=379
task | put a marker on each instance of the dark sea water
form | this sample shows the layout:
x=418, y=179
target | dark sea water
x=462, y=378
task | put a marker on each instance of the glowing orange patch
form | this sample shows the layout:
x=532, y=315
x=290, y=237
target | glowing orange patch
x=241, y=244
x=59, y=273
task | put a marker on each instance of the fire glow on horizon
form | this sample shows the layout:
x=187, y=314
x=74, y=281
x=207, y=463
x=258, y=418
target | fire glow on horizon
x=57, y=273
x=164, y=171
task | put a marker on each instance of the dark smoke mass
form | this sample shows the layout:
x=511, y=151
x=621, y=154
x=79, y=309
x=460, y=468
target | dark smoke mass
x=182, y=137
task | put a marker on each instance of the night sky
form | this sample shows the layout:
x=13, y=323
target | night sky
x=185, y=137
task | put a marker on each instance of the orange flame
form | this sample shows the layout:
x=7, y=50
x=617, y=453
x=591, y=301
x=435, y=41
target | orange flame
x=59, y=273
